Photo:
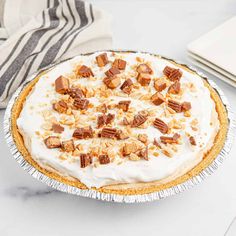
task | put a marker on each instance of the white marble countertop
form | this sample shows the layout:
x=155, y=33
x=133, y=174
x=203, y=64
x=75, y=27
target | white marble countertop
x=28, y=207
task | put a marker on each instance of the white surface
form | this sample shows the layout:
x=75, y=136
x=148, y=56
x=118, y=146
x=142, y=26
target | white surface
x=28, y=207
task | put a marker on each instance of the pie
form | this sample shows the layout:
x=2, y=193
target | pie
x=119, y=122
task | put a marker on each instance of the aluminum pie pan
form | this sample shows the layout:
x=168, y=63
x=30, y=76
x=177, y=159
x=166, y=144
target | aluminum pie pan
x=117, y=197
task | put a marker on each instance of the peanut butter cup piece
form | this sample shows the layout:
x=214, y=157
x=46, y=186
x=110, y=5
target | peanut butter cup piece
x=144, y=153
x=172, y=73
x=124, y=105
x=156, y=143
x=52, y=142
x=120, y=135
x=170, y=140
x=138, y=120
x=62, y=85
x=174, y=88
x=68, y=145
x=143, y=138
x=112, y=72
x=102, y=59
x=83, y=133
x=160, y=125
x=84, y=71
x=104, y=159
x=108, y=133
x=126, y=87
x=157, y=99
x=57, y=128
x=186, y=106
x=176, y=106
x=60, y=107
x=81, y=103
x=85, y=160
x=76, y=92
x=144, y=79
x=112, y=82
x=159, y=85
x=192, y=141
x=119, y=64
x=129, y=148
x=144, y=68
x=105, y=119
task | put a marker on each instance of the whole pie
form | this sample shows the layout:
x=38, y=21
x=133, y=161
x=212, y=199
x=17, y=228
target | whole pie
x=119, y=122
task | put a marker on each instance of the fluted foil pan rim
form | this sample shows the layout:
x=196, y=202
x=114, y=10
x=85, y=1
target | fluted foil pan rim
x=90, y=193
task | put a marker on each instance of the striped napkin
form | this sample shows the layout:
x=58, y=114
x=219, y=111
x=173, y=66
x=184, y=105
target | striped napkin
x=37, y=33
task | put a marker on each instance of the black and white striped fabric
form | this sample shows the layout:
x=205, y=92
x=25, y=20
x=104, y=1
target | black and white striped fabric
x=59, y=29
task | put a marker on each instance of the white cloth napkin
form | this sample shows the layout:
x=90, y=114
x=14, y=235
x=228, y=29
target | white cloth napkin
x=36, y=33
x=216, y=51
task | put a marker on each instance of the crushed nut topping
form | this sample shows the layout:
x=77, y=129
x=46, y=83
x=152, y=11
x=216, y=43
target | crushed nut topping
x=52, y=142
x=83, y=133
x=126, y=87
x=85, y=160
x=68, y=145
x=170, y=140
x=62, y=85
x=57, y=128
x=84, y=71
x=119, y=64
x=60, y=106
x=112, y=72
x=102, y=59
x=104, y=159
x=138, y=120
x=160, y=125
x=124, y=105
x=144, y=68
x=157, y=99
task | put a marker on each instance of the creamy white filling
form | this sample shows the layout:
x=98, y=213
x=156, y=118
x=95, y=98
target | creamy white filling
x=157, y=168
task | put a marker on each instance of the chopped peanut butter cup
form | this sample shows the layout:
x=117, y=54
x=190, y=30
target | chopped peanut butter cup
x=60, y=107
x=138, y=120
x=108, y=133
x=144, y=79
x=186, y=106
x=105, y=119
x=126, y=87
x=76, y=93
x=104, y=159
x=174, y=105
x=112, y=82
x=57, y=128
x=174, y=88
x=172, y=73
x=159, y=85
x=52, y=142
x=62, y=85
x=85, y=160
x=68, y=145
x=124, y=105
x=119, y=64
x=160, y=125
x=112, y=72
x=102, y=59
x=84, y=71
x=157, y=99
x=144, y=68
x=170, y=140
x=192, y=141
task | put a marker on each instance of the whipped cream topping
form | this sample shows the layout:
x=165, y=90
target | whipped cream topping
x=203, y=124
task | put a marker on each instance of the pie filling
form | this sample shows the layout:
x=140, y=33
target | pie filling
x=110, y=118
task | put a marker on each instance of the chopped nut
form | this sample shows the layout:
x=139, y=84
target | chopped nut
x=61, y=85
x=157, y=99
x=126, y=87
x=172, y=73
x=176, y=106
x=108, y=133
x=192, y=140
x=57, y=128
x=102, y=59
x=85, y=160
x=186, y=106
x=160, y=125
x=83, y=133
x=68, y=146
x=60, y=107
x=174, y=88
x=104, y=159
x=144, y=79
x=84, y=71
x=129, y=148
x=143, y=138
x=134, y=157
x=159, y=85
x=144, y=68
x=171, y=140
x=112, y=72
x=81, y=103
x=119, y=64
x=124, y=105
x=138, y=120
x=112, y=82
x=52, y=142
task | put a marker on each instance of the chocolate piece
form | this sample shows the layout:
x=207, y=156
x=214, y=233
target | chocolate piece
x=126, y=87
x=105, y=119
x=112, y=82
x=60, y=107
x=144, y=79
x=76, y=93
x=125, y=121
x=84, y=71
x=174, y=88
x=192, y=140
x=57, y=128
x=61, y=85
x=83, y=133
x=156, y=143
x=104, y=159
x=81, y=103
x=85, y=160
x=52, y=142
x=160, y=125
x=120, y=135
x=102, y=59
x=176, y=106
x=172, y=73
x=68, y=145
x=144, y=153
x=112, y=72
x=119, y=64
x=159, y=85
x=144, y=68
x=186, y=106
x=157, y=99
x=138, y=120
x=124, y=105
x=170, y=140
x=108, y=133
